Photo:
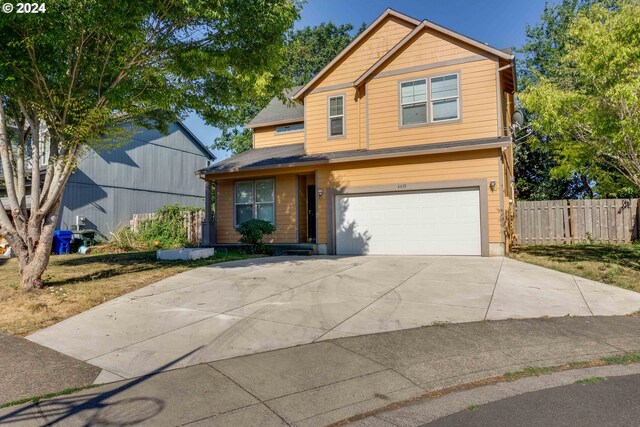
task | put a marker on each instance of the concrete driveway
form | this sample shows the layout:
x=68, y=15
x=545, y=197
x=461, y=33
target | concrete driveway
x=232, y=309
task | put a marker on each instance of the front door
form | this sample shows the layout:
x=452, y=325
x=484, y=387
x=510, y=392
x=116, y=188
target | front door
x=311, y=212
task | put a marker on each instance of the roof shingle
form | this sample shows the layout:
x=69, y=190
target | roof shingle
x=293, y=155
x=276, y=112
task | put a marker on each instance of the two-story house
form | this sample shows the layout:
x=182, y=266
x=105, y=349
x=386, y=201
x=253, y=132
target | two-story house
x=400, y=145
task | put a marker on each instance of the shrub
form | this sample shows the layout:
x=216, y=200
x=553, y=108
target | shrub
x=167, y=227
x=253, y=231
x=122, y=240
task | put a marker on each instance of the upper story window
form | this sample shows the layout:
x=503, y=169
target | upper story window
x=444, y=98
x=290, y=128
x=336, y=115
x=414, y=102
x=254, y=200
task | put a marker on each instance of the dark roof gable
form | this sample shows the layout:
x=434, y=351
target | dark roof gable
x=276, y=112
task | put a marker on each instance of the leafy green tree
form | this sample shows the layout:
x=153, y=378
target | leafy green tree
x=590, y=107
x=308, y=50
x=311, y=48
x=534, y=181
x=69, y=76
x=537, y=176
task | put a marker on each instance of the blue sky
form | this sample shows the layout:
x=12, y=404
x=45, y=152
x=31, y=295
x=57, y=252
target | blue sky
x=501, y=23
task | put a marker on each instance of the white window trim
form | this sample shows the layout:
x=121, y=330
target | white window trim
x=254, y=203
x=425, y=102
x=343, y=115
x=432, y=100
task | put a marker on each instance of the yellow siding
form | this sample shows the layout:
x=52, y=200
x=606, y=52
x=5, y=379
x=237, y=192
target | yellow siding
x=426, y=48
x=482, y=164
x=435, y=168
x=267, y=137
x=317, y=122
x=372, y=114
x=369, y=50
x=478, y=103
x=285, y=210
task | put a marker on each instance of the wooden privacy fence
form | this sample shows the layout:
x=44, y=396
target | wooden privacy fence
x=577, y=221
x=192, y=224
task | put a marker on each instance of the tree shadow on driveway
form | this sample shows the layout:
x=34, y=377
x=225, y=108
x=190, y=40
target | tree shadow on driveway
x=126, y=411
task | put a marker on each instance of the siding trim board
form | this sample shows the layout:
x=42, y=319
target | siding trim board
x=501, y=190
x=366, y=115
x=332, y=87
x=426, y=67
x=499, y=99
x=297, y=198
x=480, y=184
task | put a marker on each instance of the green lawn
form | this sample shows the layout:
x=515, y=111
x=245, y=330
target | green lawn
x=76, y=283
x=617, y=265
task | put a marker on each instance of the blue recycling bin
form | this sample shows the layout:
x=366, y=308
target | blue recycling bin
x=62, y=242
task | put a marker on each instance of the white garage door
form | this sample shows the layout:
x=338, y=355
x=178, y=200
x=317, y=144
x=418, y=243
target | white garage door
x=409, y=223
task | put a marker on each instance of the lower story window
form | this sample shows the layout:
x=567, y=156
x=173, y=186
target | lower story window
x=255, y=200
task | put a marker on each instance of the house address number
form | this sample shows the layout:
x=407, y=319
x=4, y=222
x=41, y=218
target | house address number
x=401, y=186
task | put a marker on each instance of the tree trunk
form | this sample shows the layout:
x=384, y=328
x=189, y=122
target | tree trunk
x=31, y=274
x=34, y=251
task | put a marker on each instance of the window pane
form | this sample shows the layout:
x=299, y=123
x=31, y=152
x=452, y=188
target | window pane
x=243, y=213
x=444, y=87
x=290, y=128
x=445, y=110
x=414, y=91
x=265, y=212
x=244, y=192
x=264, y=190
x=335, y=106
x=412, y=114
x=336, y=126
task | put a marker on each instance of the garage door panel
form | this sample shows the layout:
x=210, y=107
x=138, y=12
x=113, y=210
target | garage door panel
x=411, y=223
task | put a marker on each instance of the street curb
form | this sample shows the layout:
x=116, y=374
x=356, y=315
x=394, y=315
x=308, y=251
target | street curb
x=432, y=406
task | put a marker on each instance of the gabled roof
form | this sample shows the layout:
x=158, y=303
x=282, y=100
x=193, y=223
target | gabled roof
x=196, y=141
x=416, y=31
x=353, y=44
x=276, y=112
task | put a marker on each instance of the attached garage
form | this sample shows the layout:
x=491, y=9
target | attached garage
x=426, y=222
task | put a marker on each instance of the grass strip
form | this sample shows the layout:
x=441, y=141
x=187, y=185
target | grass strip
x=36, y=399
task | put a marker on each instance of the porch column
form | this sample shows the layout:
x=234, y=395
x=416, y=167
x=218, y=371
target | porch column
x=209, y=224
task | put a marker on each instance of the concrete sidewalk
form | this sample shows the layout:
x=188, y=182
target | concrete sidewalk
x=321, y=383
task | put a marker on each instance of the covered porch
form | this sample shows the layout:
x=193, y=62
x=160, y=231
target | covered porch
x=287, y=200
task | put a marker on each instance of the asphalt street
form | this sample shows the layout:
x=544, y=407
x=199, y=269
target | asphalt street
x=612, y=402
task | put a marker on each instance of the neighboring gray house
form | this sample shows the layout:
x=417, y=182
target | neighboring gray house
x=140, y=176
x=151, y=171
